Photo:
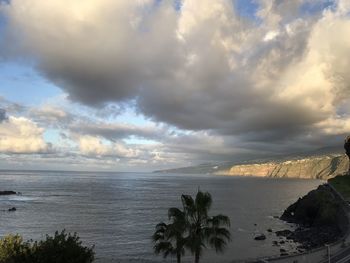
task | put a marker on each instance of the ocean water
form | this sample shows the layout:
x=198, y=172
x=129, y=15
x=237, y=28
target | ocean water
x=117, y=212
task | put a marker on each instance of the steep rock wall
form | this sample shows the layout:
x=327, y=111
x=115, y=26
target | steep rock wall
x=317, y=168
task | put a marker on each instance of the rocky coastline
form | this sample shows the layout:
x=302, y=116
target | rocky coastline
x=8, y=193
x=307, y=167
x=320, y=219
x=322, y=167
x=5, y=193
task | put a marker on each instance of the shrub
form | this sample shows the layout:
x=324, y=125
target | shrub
x=61, y=248
x=14, y=250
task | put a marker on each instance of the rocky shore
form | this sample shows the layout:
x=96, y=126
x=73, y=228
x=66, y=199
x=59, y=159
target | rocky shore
x=4, y=193
x=320, y=218
x=8, y=193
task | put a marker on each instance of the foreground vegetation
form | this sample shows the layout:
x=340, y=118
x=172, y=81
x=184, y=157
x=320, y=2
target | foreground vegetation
x=342, y=184
x=60, y=248
x=191, y=228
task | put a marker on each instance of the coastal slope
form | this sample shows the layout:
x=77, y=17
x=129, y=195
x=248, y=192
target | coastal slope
x=321, y=216
x=314, y=167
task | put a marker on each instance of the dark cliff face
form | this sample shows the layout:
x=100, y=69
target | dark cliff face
x=321, y=218
x=318, y=208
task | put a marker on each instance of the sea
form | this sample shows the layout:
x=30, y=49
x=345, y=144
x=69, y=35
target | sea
x=117, y=212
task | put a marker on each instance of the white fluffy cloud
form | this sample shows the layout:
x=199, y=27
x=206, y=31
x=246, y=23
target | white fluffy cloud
x=20, y=135
x=242, y=82
x=90, y=145
x=49, y=115
x=103, y=51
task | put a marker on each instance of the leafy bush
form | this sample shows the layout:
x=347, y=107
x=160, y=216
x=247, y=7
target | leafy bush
x=61, y=248
x=14, y=250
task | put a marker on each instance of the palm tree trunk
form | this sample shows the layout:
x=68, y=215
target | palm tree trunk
x=196, y=257
x=178, y=257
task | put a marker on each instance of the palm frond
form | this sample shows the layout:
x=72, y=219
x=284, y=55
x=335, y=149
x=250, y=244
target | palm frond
x=218, y=243
x=160, y=233
x=223, y=233
x=157, y=236
x=164, y=247
x=220, y=220
x=187, y=202
x=176, y=214
x=203, y=202
x=161, y=225
x=189, y=208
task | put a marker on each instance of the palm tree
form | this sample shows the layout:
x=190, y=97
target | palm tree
x=192, y=228
x=202, y=228
x=168, y=238
x=162, y=243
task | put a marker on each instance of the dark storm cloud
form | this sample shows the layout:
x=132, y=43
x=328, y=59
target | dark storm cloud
x=3, y=116
x=199, y=69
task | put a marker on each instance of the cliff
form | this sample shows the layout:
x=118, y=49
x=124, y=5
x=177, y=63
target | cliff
x=207, y=168
x=321, y=217
x=322, y=167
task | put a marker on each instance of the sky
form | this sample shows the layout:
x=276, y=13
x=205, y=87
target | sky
x=155, y=84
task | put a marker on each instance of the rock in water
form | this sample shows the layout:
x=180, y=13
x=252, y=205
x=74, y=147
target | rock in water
x=284, y=233
x=13, y=209
x=7, y=193
x=260, y=237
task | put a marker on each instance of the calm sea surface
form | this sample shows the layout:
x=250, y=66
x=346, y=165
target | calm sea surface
x=118, y=211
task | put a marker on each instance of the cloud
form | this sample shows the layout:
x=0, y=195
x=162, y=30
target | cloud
x=20, y=135
x=201, y=68
x=95, y=146
x=116, y=131
x=11, y=107
x=50, y=115
x=106, y=28
x=3, y=116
